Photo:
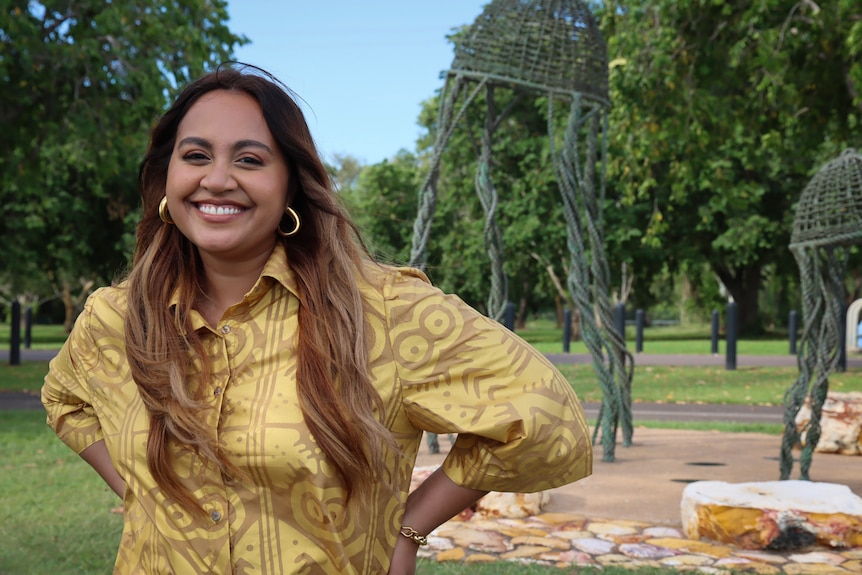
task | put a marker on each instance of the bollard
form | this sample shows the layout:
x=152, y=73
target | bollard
x=28, y=327
x=842, y=338
x=567, y=330
x=639, y=330
x=509, y=316
x=793, y=327
x=620, y=320
x=714, y=331
x=15, y=335
x=732, y=331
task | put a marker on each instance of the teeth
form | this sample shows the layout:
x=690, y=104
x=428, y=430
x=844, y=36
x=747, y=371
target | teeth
x=219, y=210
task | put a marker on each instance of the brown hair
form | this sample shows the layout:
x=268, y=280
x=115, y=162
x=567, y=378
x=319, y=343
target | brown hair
x=337, y=397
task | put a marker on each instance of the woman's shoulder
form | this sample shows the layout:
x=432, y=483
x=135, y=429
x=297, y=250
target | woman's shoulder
x=107, y=303
x=385, y=278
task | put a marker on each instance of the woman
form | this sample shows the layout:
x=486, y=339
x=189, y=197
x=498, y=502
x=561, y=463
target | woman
x=256, y=389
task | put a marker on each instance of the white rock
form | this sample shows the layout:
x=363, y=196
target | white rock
x=775, y=515
x=840, y=423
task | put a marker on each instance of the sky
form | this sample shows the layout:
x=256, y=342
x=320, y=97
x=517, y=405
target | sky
x=362, y=69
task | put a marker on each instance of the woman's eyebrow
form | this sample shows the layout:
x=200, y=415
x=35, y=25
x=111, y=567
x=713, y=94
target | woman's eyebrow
x=240, y=144
x=195, y=141
x=251, y=144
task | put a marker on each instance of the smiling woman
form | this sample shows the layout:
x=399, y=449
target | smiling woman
x=256, y=390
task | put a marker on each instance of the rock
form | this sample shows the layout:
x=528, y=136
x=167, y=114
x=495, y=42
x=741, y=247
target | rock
x=494, y=504
x=840, y=423
x=773, y=515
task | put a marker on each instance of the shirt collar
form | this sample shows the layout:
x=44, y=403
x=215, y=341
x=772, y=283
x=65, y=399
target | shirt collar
x=276, y=268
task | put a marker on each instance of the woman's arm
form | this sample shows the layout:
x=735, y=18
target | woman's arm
x=434, y=502
x=98, y=457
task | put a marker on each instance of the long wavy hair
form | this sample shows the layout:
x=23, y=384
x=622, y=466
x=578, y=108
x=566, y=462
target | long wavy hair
x=341, y=407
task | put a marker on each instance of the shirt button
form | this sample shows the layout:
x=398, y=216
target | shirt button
x=217, y=391
x=215, y=516
x=225, y=329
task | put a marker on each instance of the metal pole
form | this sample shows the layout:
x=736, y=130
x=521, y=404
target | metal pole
x=842, y=339
x=639, y=330
x=567, y=330
x=28, y=327
x=792, y=328
x=714, y=333
x=732, y=330
x=509, y=316
x=15, y=335
x=620, y=320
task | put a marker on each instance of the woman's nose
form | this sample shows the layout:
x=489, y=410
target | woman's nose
x=219, y=177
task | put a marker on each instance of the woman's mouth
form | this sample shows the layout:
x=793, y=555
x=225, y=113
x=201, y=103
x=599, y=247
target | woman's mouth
x=215, y=210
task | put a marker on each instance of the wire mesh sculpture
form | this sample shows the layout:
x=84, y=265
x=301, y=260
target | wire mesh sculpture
x=552, y=49
x=828, y=222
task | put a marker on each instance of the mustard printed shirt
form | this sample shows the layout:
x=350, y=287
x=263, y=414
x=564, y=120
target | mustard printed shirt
x=438, y=365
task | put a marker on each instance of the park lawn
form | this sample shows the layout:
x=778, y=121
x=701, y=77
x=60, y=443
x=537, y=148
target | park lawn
x=672, y=384
x=56, y=513
x=41, y=336
x=25, y=377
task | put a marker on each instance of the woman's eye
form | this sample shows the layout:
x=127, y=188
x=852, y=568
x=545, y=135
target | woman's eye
x=195, y=157
x=250, y=161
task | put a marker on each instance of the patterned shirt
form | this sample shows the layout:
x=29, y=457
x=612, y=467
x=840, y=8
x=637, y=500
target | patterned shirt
x=438, y=365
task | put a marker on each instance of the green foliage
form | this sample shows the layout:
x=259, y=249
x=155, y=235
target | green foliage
x=383, y=204
x=83, y=82
x=722, y=112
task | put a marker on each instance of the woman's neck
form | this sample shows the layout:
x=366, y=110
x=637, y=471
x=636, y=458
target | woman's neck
x=227, y=282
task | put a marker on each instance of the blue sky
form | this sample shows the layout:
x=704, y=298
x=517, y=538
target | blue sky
x=363, y=68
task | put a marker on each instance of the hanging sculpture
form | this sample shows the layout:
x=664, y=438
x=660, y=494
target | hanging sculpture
x=551, y=49
x=827, y=224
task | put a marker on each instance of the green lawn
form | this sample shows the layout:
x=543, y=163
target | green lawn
x=55, y=516
x=41, y=336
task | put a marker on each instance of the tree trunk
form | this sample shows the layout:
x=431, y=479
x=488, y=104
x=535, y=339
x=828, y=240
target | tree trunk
x=69, y=306
x=521, y=316
x=743, y=284
x=558, y=303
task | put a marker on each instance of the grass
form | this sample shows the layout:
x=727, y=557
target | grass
x=671, y=384
x=24, y=377
x=55, y=515
x=41, y=336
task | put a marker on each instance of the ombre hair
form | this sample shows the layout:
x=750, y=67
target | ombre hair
x=336, y=395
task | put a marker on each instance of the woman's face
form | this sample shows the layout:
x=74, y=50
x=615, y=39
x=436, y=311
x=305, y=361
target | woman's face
x=227, y=179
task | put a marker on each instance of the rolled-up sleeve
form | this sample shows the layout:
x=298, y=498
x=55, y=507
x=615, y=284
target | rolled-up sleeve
x=66, y=394
x=520, y=425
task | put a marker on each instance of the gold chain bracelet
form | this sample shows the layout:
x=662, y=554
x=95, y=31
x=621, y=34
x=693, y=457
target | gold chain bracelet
x=414, y=536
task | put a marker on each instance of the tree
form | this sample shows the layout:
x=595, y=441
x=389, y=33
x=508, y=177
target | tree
x=383, y=204
x=722, y=112
x=83, y=82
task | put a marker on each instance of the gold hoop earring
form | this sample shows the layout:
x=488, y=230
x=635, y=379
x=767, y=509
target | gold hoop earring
x=290, y=212
x=164, y=214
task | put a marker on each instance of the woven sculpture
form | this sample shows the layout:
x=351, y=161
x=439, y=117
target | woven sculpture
x=828, y=222
x=552, y=49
